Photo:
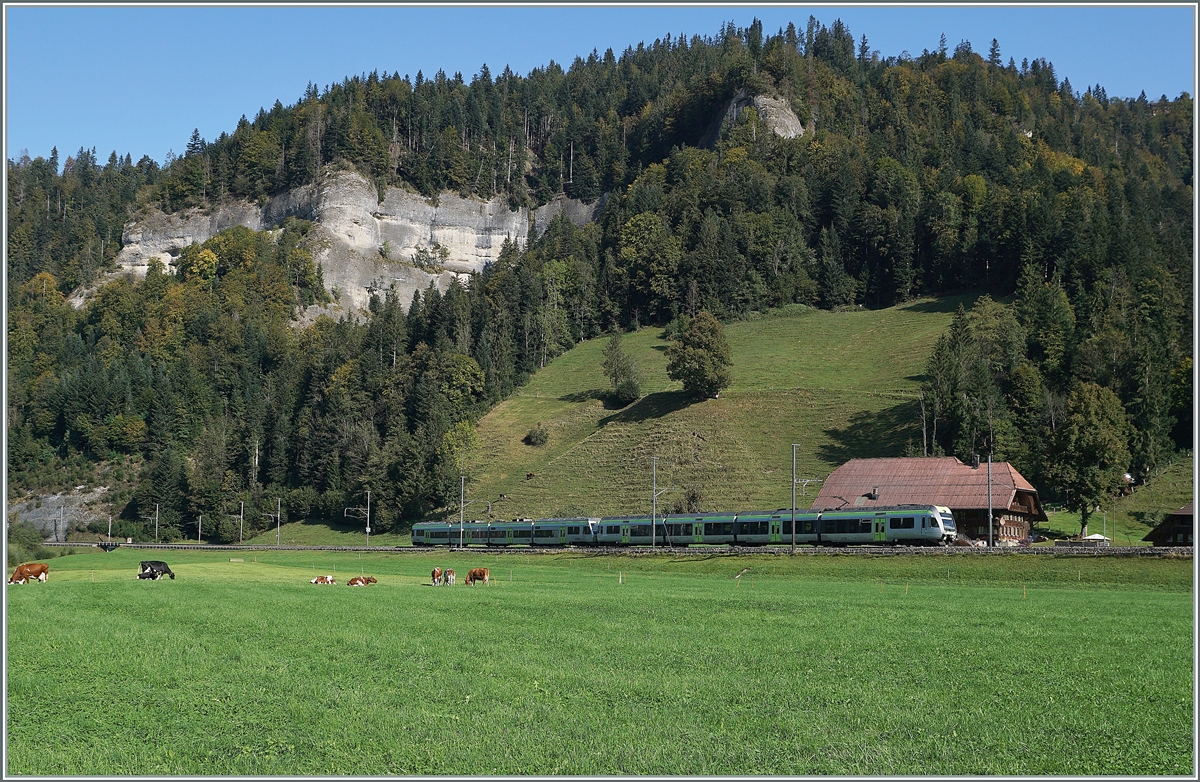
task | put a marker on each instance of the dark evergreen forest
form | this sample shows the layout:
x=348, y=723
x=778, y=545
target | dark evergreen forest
x=949, y=172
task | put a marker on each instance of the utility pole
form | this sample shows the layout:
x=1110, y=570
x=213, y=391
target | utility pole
x=654, y=494
x=990, y=543
x=241, y=519
x=793, y=498
x=146, y=518
x=276, y=514
x=200, y=528
x=463, y=502
x=362, y=513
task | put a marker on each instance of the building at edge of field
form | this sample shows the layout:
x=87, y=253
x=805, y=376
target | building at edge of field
x=940, y=480
x=1176, y=529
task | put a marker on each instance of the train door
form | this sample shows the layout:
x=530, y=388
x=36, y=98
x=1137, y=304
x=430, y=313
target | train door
x=697, y=532
x=508, y=538
x=562, y=535
x=776, y=530
x=880, y=529
x=625, y=534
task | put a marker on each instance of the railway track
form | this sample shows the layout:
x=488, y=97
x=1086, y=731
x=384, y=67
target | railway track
x=803, y=550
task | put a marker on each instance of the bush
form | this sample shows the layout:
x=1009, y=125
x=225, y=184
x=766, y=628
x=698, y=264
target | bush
x=25, y=544
x=628, y=390
x=538, y=435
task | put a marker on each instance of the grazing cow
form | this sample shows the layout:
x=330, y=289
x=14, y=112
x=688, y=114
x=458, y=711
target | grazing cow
x=361, y=581
x=323, y=580
x=529, y=476
x=478, y=574
x=28, y=572
x=155, y=566
x=436, y=575
x=448, y=577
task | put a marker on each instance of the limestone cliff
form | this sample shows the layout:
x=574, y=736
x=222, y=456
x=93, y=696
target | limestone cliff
x=361, y=243
x=776, y=114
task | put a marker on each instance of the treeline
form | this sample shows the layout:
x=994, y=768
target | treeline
x=945, y=172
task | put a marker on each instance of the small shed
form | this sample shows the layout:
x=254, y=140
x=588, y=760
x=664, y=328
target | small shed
x=1176, y=529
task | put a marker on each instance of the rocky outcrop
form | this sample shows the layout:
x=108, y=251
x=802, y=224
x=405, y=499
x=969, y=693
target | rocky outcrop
x=56, y=514
x=776, y=114
x=362, y=244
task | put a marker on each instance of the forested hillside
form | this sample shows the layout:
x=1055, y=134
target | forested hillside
x=946, y=172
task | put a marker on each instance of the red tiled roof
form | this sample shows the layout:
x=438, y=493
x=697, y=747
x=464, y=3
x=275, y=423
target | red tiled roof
x=942, y=480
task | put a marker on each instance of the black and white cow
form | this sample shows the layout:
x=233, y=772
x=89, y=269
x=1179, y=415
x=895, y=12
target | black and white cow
x=154, y=569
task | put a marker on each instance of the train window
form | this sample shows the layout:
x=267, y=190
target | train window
x=641, y=529
x=612, y=529
x=572, y=530
x=806, y=527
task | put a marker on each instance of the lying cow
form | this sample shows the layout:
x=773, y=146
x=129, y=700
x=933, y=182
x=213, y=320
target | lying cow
x=478, y=574
x=33, y=571
x=155, y=566
x=323, y=580
x=448, y=577
x=361, y=581
x=436, y=575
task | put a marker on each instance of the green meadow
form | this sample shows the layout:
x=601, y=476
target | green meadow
x=800, y=375
x=571, y=663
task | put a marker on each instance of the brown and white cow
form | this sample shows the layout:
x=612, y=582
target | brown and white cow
x=29, y=572
x=361, y=581
x=448, y=577
x=323, y=580
x=478, y=574
x=436, y=575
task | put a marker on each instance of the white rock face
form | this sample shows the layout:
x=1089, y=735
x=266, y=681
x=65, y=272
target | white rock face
x=777, y=115
x=361, y=244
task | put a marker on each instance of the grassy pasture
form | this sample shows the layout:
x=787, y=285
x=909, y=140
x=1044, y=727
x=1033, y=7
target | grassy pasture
x=840, y=385
x=809, y=665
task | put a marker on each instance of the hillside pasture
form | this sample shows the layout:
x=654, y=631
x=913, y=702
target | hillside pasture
x=594, y=665
x=840, y=385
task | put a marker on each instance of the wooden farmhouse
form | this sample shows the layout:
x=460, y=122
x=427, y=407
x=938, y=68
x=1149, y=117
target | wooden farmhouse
x=1176, y=529
x=940, y=480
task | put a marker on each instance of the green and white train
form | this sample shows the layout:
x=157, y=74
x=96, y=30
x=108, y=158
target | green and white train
x=911, y=525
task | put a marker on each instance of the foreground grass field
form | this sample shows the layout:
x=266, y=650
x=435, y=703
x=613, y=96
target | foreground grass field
x=574, y=664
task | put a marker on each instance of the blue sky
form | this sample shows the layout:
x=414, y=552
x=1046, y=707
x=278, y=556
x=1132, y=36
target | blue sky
x=139, y=79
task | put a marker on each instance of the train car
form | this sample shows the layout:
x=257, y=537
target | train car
x=898, y=525
x=581, y=531
x=623, y=531
x=518, y=532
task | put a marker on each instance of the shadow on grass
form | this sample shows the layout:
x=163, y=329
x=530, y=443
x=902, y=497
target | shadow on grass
x=654, y=405
x=607, y=397
x=872, y=435
x=945, y=304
